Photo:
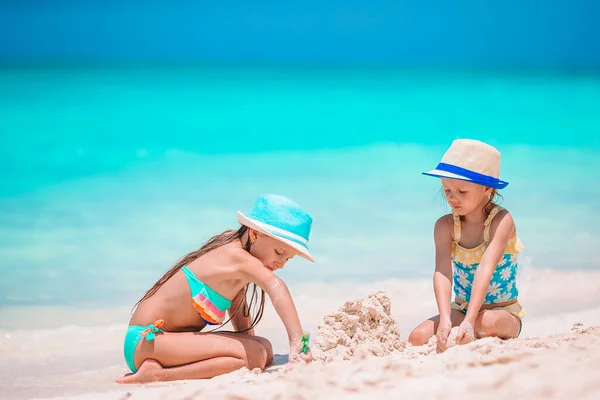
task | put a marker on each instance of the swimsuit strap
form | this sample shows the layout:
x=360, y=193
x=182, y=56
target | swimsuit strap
x=456, y=236
x=488, y=223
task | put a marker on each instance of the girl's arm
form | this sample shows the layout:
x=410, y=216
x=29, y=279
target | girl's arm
x=489, y=261
x=254, y=271
x=442, y=277
x=238, y=320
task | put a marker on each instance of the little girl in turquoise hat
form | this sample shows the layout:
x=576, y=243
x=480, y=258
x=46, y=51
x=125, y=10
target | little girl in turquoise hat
x=227, y=277
x=476, y=248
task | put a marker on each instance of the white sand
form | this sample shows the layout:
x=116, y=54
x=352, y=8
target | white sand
x=557, y=355
x=557, y=366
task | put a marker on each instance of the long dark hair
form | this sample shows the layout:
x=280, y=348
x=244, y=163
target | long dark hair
x=212, y=244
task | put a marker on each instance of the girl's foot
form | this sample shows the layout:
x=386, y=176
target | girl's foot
x=148, y=372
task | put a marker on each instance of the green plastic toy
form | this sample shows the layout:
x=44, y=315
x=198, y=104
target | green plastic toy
x=304, y=343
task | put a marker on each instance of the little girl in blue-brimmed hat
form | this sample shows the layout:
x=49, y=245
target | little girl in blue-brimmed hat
x=476, y=251
x=163, y=341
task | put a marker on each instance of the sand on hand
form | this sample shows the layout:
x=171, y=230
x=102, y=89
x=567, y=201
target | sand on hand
x=361, y=327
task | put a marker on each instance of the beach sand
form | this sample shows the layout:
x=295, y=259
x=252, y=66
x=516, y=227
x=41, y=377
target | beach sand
x=359, y=341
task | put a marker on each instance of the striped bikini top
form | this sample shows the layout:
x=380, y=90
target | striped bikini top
x=502, y=286
x=211, y=306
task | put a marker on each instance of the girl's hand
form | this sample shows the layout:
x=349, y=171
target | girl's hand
x=443, y=331
x=466, y=333
x=296, y=356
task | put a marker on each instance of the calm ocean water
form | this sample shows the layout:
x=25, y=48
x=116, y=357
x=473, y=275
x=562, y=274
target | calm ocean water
x=108, y=176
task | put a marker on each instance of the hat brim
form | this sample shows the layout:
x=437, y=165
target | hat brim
x=264, y=228
x=437, y=173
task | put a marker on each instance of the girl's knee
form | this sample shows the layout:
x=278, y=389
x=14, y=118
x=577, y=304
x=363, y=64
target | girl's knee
x=495, y=324
x=485, y=325
x=269, y=349
x=419, y=336
x=256, y=355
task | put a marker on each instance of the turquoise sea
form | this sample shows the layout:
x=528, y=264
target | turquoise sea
x=109, y=175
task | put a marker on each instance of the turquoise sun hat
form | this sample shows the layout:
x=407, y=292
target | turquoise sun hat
x=282, y=219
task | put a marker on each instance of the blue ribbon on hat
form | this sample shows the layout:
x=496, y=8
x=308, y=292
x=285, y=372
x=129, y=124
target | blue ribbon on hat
x=473, y=176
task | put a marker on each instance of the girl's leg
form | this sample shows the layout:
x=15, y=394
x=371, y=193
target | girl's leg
x=426, y=329
x=263, y=341
x=498, y=323
x=193, y=355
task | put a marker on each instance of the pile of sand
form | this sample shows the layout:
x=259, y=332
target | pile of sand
x=360, y=327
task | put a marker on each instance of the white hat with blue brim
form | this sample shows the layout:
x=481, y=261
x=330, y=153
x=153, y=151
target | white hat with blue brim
x=282, y=219
x=472, y=161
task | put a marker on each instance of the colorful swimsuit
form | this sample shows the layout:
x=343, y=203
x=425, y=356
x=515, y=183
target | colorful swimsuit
x=502, y=287
x=210, y=305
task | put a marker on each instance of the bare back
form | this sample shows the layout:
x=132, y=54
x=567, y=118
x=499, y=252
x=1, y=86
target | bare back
x=172, y=302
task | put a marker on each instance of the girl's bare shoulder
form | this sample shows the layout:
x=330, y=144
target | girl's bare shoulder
x=445, y=222
x=502, y=217
x=238, y=259
x=502, y=214
x=227, y=259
